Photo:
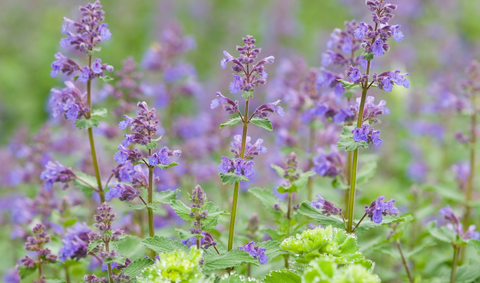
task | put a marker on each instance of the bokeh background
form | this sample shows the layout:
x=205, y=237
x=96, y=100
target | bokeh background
x=414, y=164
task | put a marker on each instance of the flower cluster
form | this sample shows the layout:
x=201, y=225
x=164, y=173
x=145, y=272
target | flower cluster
x=328, y=207
x=198, y=214
x=137, y=175
x=205, y=242
x=251, y=150
x=455, y=225
x=56, y=172
x=237, y=166
x=379, y=208
x=123, y=192
x=328, y=164
x=70, y=101
x=34, y=244
x=370, y=111
x=89, y=32
x=472, y=83
x=75, y=242
x=367, y=134
x=256, y=252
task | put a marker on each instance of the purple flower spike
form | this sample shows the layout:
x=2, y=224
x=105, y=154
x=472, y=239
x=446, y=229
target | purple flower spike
x=397, y=34
x=230, y=106
x=379, y=208
x=328, y=207
x=377, y=48
x=97, y=66
x=361, y=134
x=361, y=31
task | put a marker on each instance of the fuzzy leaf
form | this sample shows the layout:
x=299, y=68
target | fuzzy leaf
x=263, y=123
x=93, y=245
x=164, y=167
x=234, y=278
x=84, y=123
x=213, y=214
x=231, y=122
x=130, y=247
x=347, y=142
x=182, y=210
x=468, y=272
x=118, y=259
x=347, y=84
x=25, y=271
x=443, y=233
x=367, y=56
x=69, y=222
x=280, y=171
x=106, y=79
x=247, y=94
x=102, y=112
x=165, y=197
x=283, y=276
x=268, y=199
x=307, y=210
x=92, y=181
x=273, y=249
x=151, y=145
x=232, y=178
x=297, y=185
x=232, y=258
x=163, y=244
x=135, y=268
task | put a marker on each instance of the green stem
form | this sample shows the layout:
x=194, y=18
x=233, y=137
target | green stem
x=88, y=115
x=151, y=227
x=237, y=184
x=404, y=261
x=67, y=275
x=454, y=264
x=348, y=172
x=470, y=184
x=109, y=265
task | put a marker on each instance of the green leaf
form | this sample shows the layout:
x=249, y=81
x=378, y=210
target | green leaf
x=367, y=56
x=347, y=84
x=419, y=249
x=138, y=206
x=184, y=235
x=157, y=139
x=366, y=172
x=182, y=210
x=157, y=210
x=280, y=171
x=247, y=94
x=273, y=249
x=137, y=266
x=25, y=271
x=69, y=222
x=152, y=145
x=446, y=192
x=334, y=220
x=212, y=217
x=282, y=276
x=93, y=245
x=118, y=259
x=232, y=178
x=165, y=197
x=468, y=273
x=164, y=167
x=347, y=142
x=102, y=112
x=163, y=244
x=298, y=185
x=92, y=181
x=388, y=219
x=263, y=123
x=443, y=233
x=231, y=122
x=268, y=199
x=84, y=123
x=55, y=281
x=475, y=244
x=106, y=79
x=232, y=258
x=130, y=247
x=275, y=234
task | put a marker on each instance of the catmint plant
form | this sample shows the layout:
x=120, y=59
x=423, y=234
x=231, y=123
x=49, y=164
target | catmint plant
x=375, y=44
x=43, y=255
x=84, y=36
x=247, y=76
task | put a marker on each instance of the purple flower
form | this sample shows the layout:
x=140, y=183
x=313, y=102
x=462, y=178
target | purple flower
x=264, y=110
x=230, y=106
x=127, y=140
x=397, y=34
x=387, y=84
x=361, y=31
x=97, y=66
x=114, y=192
x=361, y=134
x=328, y=164
x=225, y=165
x=122, y=155
x=84, y=75
x=256, y=252
x=104, y=32
x=462, y=173
x=347, y=45
x=11, y=276
x=223, y=63
x=400, y=79
x=236, y=84
x=376, y=140
x=124, y=124
x=343, y=115
x=75, y=242
x=56, y=172
x=355, y=76
x=251, y=150
x=379, y=208
x=160, y=157
x=377, y=48
x=72, y=112
x=326, y=59
x=328, y=207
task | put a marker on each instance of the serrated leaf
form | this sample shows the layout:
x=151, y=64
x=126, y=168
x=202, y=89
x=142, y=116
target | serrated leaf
x=106, y=79
x=347, y=142
x=273, y=249
x=419, y=249
x=164, y=167
x=182, y=210
x=69, y=222
x=93, y=245
x=212, y=217
x=275, y=234
x=282, y=276
x=84, y=123
x=231, y=122
x=130, y=247
x=334, y=220
x=232, y=178
x=263, y=123
x=367, y=56
x=475, y=244
x=232, y=258
x=268, y=199
x=247, y=94
x=165, y=197
x=280, y=171
x=118, y=259
x=298, y=185
x=102, y=112
x=161, y=244
x=25, y=271
x=151, y=145
x=137, y=266
x=442, y=233
x=184, y=235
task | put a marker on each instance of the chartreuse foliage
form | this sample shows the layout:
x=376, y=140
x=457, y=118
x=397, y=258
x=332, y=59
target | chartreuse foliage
x=330, y=242
x=177, y=266
x=325, y=270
